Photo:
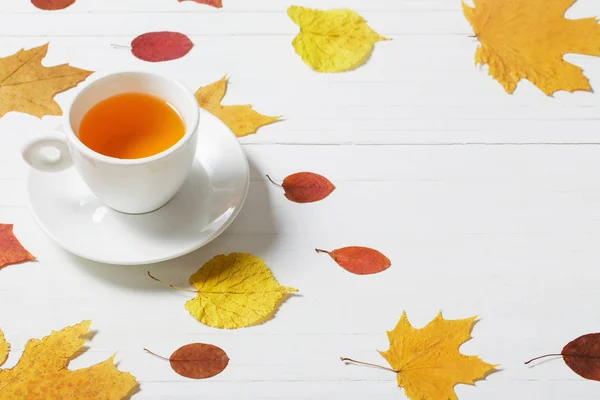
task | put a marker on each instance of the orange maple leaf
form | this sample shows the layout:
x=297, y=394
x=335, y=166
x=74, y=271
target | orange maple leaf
x=42, y=374
x=11, y=250
x=242, y=119
x=29, y=87
x=528, y=39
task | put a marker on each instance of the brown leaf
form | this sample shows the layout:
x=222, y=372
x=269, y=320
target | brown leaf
x=161, y=46
x=306, y=187
x=359, y=260
x=52, y=4
x=29, y=87
x=197, y=360
x=582, y=355
x=213, y=3
x=11, y=250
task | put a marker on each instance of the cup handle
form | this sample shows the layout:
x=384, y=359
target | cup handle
x=33, y=153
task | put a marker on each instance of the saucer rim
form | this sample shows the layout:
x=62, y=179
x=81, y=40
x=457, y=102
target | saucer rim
x=209, y=239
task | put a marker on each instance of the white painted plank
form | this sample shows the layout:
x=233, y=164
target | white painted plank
x=210, y=24
x=452, y=102
x=232, y=6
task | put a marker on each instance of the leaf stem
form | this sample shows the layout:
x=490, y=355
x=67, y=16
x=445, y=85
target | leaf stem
x=156, y=355
x=172, y=360
x=368, y=364
x=120, y=46
x=171, y=286
x=273, y=182
x=321, y=251
x=540, y=357
x=564, y=355
x=290, y=290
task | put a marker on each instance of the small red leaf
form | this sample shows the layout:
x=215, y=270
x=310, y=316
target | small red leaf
x=306, y=187
x=213, y=3
x=52, y=4
x=359, y=260
x=11, y=250
x=199, y=360
x=161, y=46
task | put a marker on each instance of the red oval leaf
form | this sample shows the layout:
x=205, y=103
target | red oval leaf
x=306, y=187
x=213, y=3
x=582, y=355
x=359, y=260
x=52, y=4
x=161, y=46
x=199, y=360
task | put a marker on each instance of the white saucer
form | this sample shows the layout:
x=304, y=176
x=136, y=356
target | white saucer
x=205, y=206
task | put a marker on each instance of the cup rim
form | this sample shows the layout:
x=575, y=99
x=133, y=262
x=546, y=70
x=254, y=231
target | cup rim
x=74, y=139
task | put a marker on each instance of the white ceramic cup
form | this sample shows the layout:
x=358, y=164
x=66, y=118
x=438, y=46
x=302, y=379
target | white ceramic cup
x=132, y=186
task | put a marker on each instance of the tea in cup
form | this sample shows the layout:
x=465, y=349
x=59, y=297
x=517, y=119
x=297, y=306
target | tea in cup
x=132, y=137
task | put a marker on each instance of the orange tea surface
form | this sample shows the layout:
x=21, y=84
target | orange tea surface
x=131, y=125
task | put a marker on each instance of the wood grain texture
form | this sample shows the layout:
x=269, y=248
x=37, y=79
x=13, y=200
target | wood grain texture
x=488, y=204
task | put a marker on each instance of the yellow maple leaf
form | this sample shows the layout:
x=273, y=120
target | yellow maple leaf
x=235, y=291
x=528, y=39
x=41, y=372
x=29, y=87
x=242, y=120
x=332, y=41
x=4, y=348
x=427, y=362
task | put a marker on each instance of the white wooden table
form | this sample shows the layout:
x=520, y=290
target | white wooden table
x=487, y=204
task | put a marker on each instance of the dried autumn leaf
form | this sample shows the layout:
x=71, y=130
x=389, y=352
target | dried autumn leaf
x=528, y=39
x=52, y=4
x=27, y=86
x=213, y=3
x=4, y=348
x=332, y=41
x=359, y=260
x=582, y=355
x=427, y=362
x=242, y=120
x=11, y=250
x=246, y=297
x=305, y=187
x=161, y=46
x=197, y=360
x=234, y=291
x=41, y=372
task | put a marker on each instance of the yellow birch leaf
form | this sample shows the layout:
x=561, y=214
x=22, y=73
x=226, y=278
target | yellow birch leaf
x=528, y=39
x=332, y=41
x=427, y=361
x=242, y=120
x=29, y=87
x=41, y=372
x=235, y=291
